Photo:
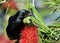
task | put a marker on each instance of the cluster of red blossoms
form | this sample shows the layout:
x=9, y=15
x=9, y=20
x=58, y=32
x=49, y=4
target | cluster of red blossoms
x=11, y=4
x=29, y=35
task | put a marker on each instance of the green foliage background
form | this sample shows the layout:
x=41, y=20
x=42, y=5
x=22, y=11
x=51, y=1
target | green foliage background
x=50, y=31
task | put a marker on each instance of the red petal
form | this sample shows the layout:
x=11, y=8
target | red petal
x=29, y=34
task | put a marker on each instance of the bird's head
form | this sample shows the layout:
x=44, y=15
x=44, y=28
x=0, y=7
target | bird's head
x=23, y=13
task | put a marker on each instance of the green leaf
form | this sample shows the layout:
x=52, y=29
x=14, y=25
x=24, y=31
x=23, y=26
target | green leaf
x=50, y=3
x=11, y=12
x=26, y=20
x=39, y=24
x=27, y=4
x=38, y=17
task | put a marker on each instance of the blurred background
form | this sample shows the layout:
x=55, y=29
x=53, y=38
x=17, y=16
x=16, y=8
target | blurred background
x=48, y=9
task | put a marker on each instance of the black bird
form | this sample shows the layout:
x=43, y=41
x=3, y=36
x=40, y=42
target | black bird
x=15, y=24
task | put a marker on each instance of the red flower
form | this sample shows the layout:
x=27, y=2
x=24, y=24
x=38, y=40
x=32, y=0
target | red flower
x=11, y=4
x=6, y=4
x=29, y=35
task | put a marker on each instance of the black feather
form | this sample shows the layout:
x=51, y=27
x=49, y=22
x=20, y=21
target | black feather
x=15, y=24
